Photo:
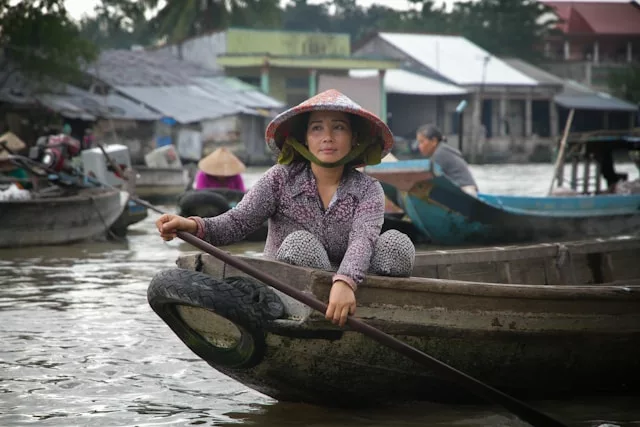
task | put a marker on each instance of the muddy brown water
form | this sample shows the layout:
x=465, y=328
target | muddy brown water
x=79, y=346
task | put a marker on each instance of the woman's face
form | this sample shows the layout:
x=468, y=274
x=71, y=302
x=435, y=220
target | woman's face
x=329, y=135
x=427, y=146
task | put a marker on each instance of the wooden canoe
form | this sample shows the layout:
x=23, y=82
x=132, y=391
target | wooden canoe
x=545, y=320
x=54, y=219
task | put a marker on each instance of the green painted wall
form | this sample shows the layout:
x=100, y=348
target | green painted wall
x=277, y=86
x=287, y=43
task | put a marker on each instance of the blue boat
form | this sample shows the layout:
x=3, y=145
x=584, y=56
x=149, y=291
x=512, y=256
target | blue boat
x=447, y=215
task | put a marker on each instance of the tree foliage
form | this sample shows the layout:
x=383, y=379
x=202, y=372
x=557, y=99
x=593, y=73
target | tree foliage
x=38, y=38
x=117, y=24
x=180, y=19
x=504, y=27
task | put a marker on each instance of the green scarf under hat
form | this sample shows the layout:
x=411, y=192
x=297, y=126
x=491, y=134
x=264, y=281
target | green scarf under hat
x=371, y=154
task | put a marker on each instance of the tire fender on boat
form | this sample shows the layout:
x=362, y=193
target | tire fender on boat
x=202, y=203
x=245, y=302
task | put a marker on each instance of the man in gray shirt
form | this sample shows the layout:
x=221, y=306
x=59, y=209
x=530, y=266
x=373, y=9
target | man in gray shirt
x=431, y=145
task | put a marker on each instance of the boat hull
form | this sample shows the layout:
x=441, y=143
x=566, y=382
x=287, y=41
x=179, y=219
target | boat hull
x=528, y=340
x=447, y=215
x=160, y=185
x=464, y=219
x=132, y=214
x=59, y=220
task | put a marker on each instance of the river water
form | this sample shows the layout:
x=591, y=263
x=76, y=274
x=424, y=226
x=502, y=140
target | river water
x=80, y=346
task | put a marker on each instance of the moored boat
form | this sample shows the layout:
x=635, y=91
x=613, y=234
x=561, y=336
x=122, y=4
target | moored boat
x=160, y=185
x=534, y=321
x=446, y=215
x=59, y=215
x=131, y=214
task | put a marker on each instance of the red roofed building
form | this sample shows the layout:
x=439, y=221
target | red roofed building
x=596, y=31
x=595, y=38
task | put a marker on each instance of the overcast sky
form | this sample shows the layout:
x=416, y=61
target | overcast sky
x=78, y=8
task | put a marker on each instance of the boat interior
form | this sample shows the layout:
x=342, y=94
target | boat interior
x=588, y=262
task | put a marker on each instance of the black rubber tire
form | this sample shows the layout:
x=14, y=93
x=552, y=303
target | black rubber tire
x=210, y=202
x=245, y=302
x=233, y=196
x=202, y=203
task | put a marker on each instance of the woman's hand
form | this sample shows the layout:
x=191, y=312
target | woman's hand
x=342, y=302
x=168, y=225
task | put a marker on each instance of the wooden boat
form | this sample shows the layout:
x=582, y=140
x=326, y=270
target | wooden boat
x=131, y=214
x=542, y=320
x=160, y=185
x=446, y=215
x=59, y=215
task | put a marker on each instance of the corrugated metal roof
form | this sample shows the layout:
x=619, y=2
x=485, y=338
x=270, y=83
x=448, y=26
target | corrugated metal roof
x=185, y=104
x=63, y=106
x=71, y=101
x=538, y=74
x=145, y=68
x=573, y=95
x=610, y=17
x=407, y=82
x=179, y=89
x=112, y=106
x=236, y=91
x=457, y=59
x=594, y=101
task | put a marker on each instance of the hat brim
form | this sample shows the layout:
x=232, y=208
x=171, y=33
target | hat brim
x=285, y=124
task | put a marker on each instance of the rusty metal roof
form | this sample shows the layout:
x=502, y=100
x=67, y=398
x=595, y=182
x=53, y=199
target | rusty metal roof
x=611, y=17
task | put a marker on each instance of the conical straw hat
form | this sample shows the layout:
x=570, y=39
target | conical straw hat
x=221, y=162
x=14, y=144
x=282, y=125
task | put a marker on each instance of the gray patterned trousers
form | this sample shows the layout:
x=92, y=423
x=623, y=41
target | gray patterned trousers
x=393, y=254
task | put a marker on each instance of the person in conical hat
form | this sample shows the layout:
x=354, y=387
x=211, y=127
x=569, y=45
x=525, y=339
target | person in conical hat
x=322, y=212
x=220, y=169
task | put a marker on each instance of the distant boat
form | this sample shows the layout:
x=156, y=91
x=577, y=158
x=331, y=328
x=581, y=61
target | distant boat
x=160, y=185
x=540, y=320
x=447, y=215
x=59, y=215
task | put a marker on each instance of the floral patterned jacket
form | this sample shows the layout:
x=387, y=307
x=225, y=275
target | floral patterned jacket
x=288, y=197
